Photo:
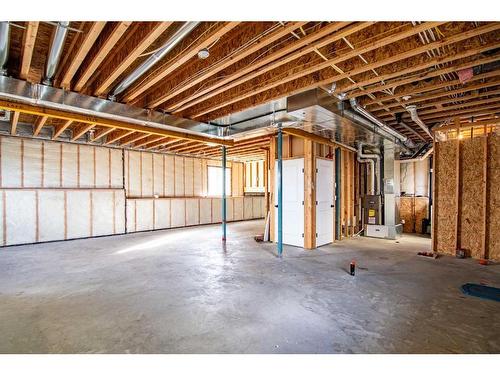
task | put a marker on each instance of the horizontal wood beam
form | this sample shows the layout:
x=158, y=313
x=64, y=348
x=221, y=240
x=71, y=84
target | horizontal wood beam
x=148, y=140
x=63, y=115
x=134, y=137
x=101, y=133
x=493, y=121
x=117, y=135
x=314, y=137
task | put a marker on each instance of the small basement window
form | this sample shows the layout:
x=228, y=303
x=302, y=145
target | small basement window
x=215, y=181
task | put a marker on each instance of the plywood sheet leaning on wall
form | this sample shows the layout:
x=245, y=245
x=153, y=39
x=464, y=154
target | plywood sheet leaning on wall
x=471, y=196
x=493, y=198
x=446, y=196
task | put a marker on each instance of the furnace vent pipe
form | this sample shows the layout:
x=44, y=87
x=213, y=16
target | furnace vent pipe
x=375, y=182
x=180, y=34
x=4, y=46
x=371, y=190
x=412, y=110
x=56, y=49
x=376, y=121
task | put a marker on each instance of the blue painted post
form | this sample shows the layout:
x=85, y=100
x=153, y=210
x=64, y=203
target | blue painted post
x=280, y=191
x=223, y=193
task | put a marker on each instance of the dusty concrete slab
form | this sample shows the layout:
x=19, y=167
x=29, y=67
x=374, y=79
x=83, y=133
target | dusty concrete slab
x=179, y=291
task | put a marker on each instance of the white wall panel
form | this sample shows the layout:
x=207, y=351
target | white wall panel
x=229, y=209
x=162, y=213
x=188, y=177
x=51, y=205
x=197, y=175
x=20, y=228
x=78, y=213
x=205, y=210
x=69, y=165
x=11, y=162
x=119, y=198
x=102, y=213
x=86, y=166
x=192, y=211
x=216, y=210
x=179, y=176
x=102, y=163
x=2, y=197
x=131, y=219
x=247, y=208
x=32, y=163
x=256, y=207
x=52, y=164
x=169, y=176
x=178, y=212
x=116, y=168
x=134, y=174
x=147, y=174
x=158, y=177
x=144, y=212
x=238, y=208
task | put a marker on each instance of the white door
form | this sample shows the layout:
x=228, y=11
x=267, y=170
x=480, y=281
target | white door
x=324, y=198
x=293, y=202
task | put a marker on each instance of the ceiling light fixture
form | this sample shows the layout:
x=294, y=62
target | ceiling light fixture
x=203, y=53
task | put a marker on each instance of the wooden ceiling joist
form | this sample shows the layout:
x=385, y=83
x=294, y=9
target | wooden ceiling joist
x=314, y=137
x=283, y=56
x=133, y=47
x=39, y=123
x=161, y=97
x=83, y=49
x=29, y=39
x=162, y=143
x=325, y=64
x=101, y=133
x=81, y=130
x=90, y=68
x=148, y=140
x=134, y=137
x=179, y=60
x=117, y=135
x=14, y=119
x=59, y=129
x=63, y=115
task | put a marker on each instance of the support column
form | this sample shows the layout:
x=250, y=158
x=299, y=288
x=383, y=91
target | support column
x=338, y=207
x=280, y=191
x=309, y=195
x=272, y=187
x=224, y=193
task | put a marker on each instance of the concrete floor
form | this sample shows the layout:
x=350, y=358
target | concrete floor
x=178, y=291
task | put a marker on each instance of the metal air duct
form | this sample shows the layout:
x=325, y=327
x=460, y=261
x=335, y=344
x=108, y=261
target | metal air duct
x=375, y=177
x=180, y=34
x=55, y=52
x=412, y=110
x=379, y=123
x=4, y=46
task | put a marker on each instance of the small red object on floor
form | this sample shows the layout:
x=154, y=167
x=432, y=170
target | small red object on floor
x=483, y=262
x=353, y=267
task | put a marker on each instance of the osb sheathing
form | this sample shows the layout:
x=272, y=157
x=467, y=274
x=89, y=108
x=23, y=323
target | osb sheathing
x=421, y=212
x=471, y=228
x=446, y=175
x=406, y=213
x=493, y=207
x=413, y=210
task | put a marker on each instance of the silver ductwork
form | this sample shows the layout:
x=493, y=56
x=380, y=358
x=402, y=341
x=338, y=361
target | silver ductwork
x=56, y=49
x=412, y=110
x=180, y=34
x=378, y=122
x=375, y=165
x=4, y=46
x=16, y=90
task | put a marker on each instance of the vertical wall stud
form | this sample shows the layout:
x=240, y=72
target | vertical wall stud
x=223, y=193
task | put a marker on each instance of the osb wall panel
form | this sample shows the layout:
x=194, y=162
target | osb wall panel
x=51, y=215
x=26, y=163
x=446, y=175
x=471, y=195
x=493, y=208
x=421, y=212
x=406, y=214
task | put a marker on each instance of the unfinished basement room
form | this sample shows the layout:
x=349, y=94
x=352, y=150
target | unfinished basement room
x=249, y=187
